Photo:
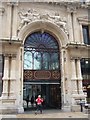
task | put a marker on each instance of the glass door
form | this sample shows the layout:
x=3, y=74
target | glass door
x=50, y=94
x=55, y=99
x=30, y=93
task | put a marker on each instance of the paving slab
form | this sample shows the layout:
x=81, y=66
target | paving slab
x=53, y=114
x=48, y=115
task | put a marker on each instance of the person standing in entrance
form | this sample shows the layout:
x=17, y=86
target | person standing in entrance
x=39, y=102
x=27, y=100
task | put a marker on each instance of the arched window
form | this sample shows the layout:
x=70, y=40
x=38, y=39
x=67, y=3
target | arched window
x=41, y=52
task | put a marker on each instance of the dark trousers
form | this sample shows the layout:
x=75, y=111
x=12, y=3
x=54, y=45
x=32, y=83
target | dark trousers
x=39, y=108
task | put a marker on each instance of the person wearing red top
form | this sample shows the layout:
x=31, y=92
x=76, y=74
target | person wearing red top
x=39, y=102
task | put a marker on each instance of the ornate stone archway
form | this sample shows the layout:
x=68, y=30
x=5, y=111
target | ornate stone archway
x=55, y=31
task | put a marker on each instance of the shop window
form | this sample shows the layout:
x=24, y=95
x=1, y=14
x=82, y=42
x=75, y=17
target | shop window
x=85, y=68
x=86, y=36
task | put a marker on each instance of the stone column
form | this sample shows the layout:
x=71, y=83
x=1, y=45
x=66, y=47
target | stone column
x=79, y=77
x=8, y=25
x=74, y=79
x=63, y=77
x=79, y=74
x=81, y=34
x=13, y=66
x=75, y=28
x=13, y=77
x=70, y=27
x=14, y=19
x=8, y=98
x=1, y=15
x=20, y=106
x=5, y=77
x=77, y=93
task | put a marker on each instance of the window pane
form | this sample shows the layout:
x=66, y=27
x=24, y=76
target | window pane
x=85, y=68
x=37, y=61
x=86, y=34
x=46, y=61
x=27, y=60
x=55, y=61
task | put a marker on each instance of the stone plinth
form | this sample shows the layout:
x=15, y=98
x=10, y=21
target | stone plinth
x=75, y=108
x=7, y=106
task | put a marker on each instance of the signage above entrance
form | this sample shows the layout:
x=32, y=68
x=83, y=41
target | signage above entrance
x=35, y=75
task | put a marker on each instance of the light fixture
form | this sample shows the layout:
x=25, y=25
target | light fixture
x=86, y=61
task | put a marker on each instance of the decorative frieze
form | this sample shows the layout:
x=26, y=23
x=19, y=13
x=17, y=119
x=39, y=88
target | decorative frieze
x=39, y=75
x=28, y=16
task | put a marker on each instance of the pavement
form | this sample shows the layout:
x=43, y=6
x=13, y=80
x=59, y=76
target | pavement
x=48, y=114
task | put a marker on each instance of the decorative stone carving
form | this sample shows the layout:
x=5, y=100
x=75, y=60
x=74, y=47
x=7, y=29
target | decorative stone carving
x=32, y=15
x=71, y=8
x=61, y=22
x=2, y=10
x=27, y=17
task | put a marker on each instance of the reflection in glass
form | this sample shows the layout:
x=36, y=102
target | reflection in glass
x=55, y=61
x=27, y=60
x=46, y=61
x=37, y=61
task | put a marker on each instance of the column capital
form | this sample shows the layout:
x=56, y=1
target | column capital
x=78, y=58
x=75, y=58
x=71, y=9
x=12, y=3
x=72, y=58
x=12, y=55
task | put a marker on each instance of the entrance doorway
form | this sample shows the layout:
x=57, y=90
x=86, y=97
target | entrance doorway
x=42, y=70
x=49, y=92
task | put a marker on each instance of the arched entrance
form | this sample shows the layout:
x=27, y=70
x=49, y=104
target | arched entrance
x=42, y=70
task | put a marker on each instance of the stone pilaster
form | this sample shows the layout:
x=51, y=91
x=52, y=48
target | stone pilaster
x=70, y=27
x=8, y=95
x=5, y=77
x=1, y=17
x=13, y=65
x=6, y=68
x=63, y=76
x=75, y=28
x=79, y=77
x=13, y=76
x=20, y=106
x=14, y=19
x=73, y=78
x=8, y=25
x=81, y=34
x=77, y=92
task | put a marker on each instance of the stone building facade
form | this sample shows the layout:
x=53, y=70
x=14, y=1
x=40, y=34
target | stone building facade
x=61, y=19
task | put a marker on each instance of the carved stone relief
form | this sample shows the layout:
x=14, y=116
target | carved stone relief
x=28, y=16
x=2, y=10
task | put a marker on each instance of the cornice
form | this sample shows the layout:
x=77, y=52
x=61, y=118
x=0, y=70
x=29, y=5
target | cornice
x=11, y=42
x=66, y=3
x=75, y=45
x=85, y=19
